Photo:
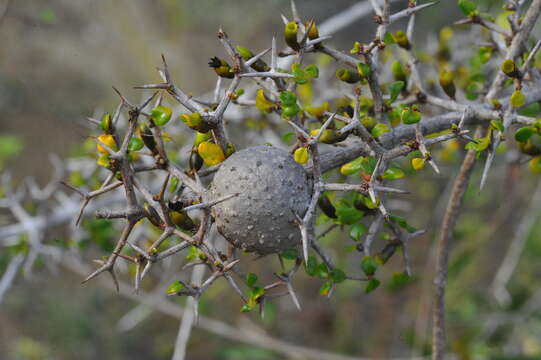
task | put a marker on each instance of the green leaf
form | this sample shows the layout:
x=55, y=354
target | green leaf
x=161, y=115
x=193, y=253
x=410, y=116
x=369, y=164
x=517, y=99
x=357, y=231
x=174, y=184
x=379, y=129
x=290, y=254
x=497, y=125
x=352, y=167
x=312, y=71
x=393, y=174
x=311, y=265
x=472, y=91
x=135, y=144
x=485, y=53
x=325, y=289
x=322, y=271
x=402, y=223
x=256, y=293
x=368, y=265
x=175, y=287
x=524, y=133
x=338, y=276
x=363, y=69
x=531, y=110
x=399, y=280
x=371, y=285
x=356, y=48
x=388, y=38
x=290, y=110
x=288, y=98
x=348, y=215
x=468, y=8
x=287, y=137
x=246, y=308
x=535, y=165
x=251, y=279
x=395, y=90
x=481, y=145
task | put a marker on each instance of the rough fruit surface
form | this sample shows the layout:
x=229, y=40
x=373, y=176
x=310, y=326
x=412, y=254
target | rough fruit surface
x=272, y=187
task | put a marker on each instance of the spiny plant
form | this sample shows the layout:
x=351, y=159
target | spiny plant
x=355, y=121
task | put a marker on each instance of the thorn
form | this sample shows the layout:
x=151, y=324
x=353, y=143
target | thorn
x=112, y=272
x=273, y=54
x=165, y=70
x=488, y=163
x=293, y=296
x=294, y=11
x=104, y=267
x=146, y=269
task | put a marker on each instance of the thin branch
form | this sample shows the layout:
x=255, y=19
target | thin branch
x=444, y=249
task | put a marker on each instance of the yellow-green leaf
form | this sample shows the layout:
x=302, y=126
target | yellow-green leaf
x=517, y=99
x=211, y=153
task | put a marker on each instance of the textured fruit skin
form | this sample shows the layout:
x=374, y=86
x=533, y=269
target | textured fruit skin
x=271, y=186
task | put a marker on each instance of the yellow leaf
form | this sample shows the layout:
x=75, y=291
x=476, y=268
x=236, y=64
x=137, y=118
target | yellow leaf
x=301, y=155
x=262, y=103
x=211, y=153
x=103, y=160
x=418, y=163
x=108, y=140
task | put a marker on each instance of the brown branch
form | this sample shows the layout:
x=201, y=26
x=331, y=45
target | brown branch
x=444, y=249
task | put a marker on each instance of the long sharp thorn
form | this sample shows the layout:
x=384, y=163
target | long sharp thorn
x=273, y=54
x=293, y=296
x=146, y=269
x=434, y=166
x=488, y=164
x=305, y=246
x=294, y=11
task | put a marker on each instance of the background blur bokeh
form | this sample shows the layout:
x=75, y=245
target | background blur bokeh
x=58, y=61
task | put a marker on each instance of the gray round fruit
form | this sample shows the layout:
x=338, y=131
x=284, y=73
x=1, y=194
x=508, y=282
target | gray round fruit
x=272, y=187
